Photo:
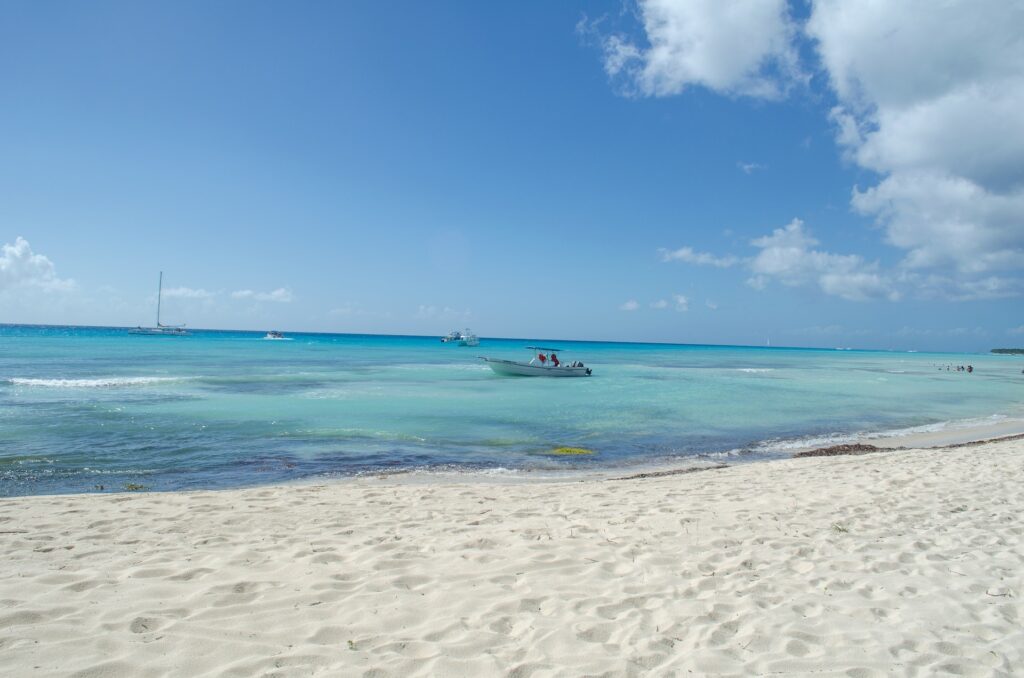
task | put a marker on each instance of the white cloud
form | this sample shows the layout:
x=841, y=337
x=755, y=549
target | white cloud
x=682, y=303
x=187, y=293
x=750, y=167
x=688, y=255
x=659, y=304
x=710, y=304
x=630, y=305
x=930, y=98
x=281, y=295
x=21, y=267
x=1016, y=330
x=787, y=256
x=742, y=47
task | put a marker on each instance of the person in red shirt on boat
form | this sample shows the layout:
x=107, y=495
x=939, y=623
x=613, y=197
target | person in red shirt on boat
x=554, y=360
x=542, y=358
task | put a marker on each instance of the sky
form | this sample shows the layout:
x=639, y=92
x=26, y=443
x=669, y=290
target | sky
x=819, y=173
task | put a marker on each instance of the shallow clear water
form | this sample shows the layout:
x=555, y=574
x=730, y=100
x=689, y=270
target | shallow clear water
x=88, y=407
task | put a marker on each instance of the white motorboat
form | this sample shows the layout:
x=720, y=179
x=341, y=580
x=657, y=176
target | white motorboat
x=275, y=336
x=454, y=335
x=467, y=338
x=542, y=365
x=160, y=330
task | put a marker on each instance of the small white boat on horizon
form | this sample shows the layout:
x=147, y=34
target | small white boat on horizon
x=160, y=330
x=542, y=365
x=274, y=335
x=467, y=338
x=454, y=335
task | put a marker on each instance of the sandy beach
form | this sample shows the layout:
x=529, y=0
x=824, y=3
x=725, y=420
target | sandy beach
x=895, y=563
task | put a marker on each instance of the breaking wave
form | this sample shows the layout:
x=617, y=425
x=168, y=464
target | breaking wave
x=102, y=382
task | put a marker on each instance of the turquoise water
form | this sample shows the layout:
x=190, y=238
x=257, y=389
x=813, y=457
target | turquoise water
x=89, y=408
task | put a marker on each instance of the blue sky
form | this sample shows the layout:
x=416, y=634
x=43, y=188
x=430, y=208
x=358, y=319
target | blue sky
x=661, y=171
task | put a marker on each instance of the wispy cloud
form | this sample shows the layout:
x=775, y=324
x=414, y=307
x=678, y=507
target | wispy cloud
x=710, y=304
x=281, y=295
x=660, y=303
x=630, y=305
x=187, y=293
x=682, y=303
x=750, y=167
x=689, y=256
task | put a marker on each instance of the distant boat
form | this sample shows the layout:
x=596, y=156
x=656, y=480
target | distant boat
x=160, y=330
x=454, y=335
x=467, y=338
x=541, y=366
x=274, y=334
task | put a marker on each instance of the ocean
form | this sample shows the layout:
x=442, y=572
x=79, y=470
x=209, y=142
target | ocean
x=99, y=410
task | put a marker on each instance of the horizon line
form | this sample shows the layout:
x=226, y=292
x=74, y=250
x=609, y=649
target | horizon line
x=577, y=341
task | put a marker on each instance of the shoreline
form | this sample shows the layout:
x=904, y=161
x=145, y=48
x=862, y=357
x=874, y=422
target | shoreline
x=885, y=441
x=960, y=433
x=866, y=565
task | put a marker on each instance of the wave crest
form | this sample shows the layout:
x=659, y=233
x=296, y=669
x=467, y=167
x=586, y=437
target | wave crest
x=101, y=382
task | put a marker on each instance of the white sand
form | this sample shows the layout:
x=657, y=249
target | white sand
x=906, y=563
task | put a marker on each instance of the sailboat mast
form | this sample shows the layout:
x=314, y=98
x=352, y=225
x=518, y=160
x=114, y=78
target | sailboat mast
x=159, y=293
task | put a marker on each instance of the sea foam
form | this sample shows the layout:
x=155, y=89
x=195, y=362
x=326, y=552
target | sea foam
x=102, y=382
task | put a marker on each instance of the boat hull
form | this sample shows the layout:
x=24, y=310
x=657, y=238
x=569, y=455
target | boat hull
x=159, y=332
x=513, y=368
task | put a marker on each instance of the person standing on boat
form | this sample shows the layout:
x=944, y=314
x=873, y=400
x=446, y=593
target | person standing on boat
x=543, y=358
x=554, y=360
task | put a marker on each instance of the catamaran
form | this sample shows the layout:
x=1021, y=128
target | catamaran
x=161, y=330
x=545, y=363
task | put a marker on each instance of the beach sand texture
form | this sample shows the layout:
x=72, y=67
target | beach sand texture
x=903, y=563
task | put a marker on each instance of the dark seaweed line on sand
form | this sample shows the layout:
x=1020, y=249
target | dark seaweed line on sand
x=832, y=451
x=861, y=448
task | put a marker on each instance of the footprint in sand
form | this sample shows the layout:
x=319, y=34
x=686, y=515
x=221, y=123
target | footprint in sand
x=146, y=624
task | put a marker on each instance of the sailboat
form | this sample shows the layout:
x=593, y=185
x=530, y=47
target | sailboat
x=161, y=330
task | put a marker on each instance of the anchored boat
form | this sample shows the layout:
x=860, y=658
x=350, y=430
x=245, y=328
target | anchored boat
x=545, y=363
x=160, y=330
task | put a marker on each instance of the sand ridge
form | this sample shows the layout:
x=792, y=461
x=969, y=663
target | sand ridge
x=906, y=563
